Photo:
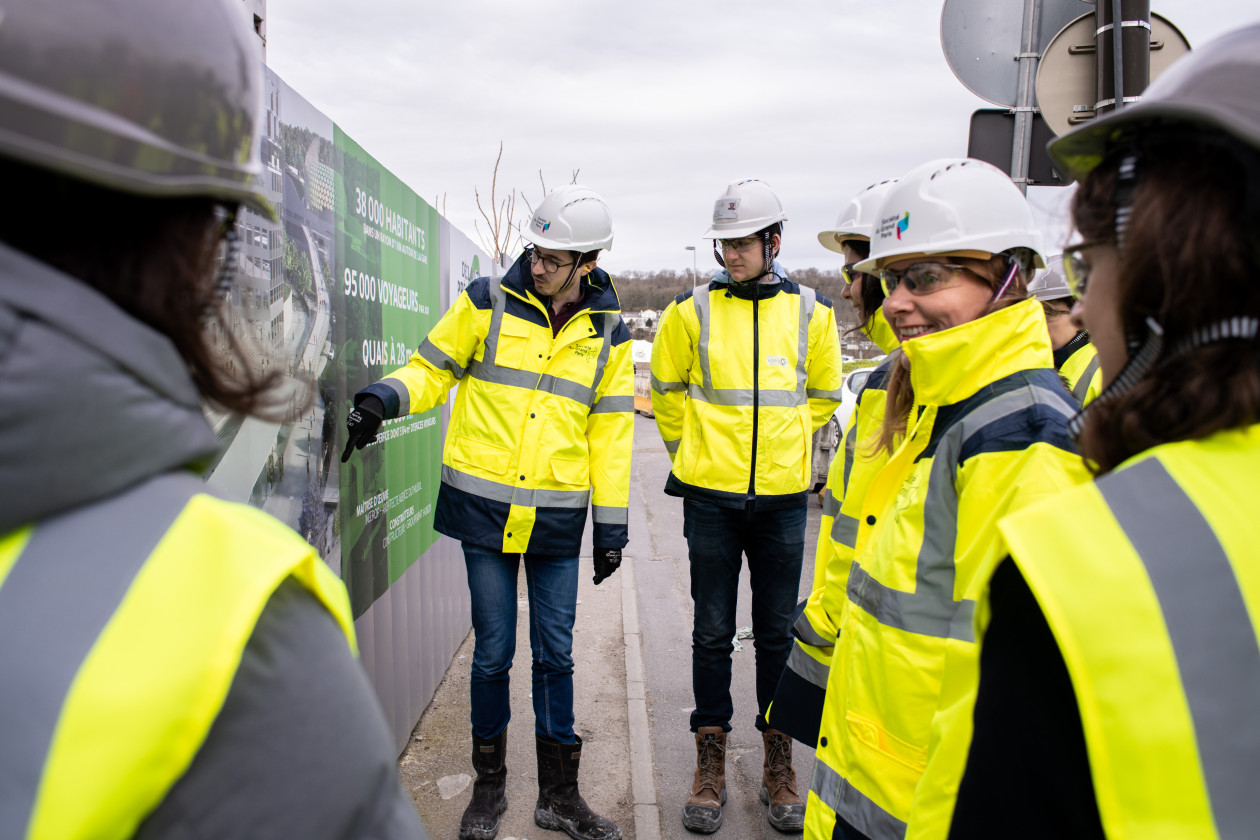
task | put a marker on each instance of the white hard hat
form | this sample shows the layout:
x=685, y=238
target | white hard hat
x=745, y=208
x=857, y=219
x=573, y=218
x=1213, y=86
x=950, y=206
x=1050, y=283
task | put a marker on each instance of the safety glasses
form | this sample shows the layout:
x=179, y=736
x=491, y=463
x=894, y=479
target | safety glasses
x=849, y=274
x=921, y=278
x=1077, y=267
x=745, y=244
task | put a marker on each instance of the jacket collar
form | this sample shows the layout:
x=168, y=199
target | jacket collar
x=601, y=295
x=951, y=365
x=94, y=400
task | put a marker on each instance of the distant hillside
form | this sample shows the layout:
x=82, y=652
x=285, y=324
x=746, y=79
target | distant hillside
x=641, y=290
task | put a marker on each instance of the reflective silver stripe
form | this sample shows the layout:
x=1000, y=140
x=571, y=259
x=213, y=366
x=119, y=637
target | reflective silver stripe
x=500, y=375
x=805, y=631
x=665, y=387
x=58, y=597
x=671, y=446
x=404, y=396
x=611, y=320
x=566, y=388
x=700, y=300
x=931, y=610
x=512, y=495
x=830, y=504
x=610, y=515
x=431, y=354
x=808, y=299
x=807, y=667
x=607, y=405
x=844, y=530
x=1082, y=384
x=1212, y=632
x=820, y=394
x=744, y=396
x=856, y=807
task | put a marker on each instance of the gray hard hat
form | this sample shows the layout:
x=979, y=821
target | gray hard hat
x=161, y=98
x=1049, y=282
x=1215, y=85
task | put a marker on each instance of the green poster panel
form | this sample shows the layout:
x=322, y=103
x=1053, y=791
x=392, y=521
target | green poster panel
x=386, y=298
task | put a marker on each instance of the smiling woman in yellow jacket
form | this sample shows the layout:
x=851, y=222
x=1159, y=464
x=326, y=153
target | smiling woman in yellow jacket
x=975, y=426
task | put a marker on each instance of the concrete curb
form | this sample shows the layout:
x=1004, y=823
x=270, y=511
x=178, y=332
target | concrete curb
x=647, y=815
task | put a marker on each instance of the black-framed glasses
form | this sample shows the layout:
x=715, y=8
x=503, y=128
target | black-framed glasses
x=549, y=264
x=850, y=274
x=745, y=244
x=1077, y=268
x=921, y=278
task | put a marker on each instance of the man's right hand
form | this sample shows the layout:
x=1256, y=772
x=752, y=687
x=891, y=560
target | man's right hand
x=362, y=424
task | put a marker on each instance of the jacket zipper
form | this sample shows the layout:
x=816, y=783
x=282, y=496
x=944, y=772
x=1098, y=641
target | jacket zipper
x=752, y=466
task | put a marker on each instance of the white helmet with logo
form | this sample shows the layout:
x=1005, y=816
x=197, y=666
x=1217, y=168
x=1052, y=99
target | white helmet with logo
x=857, y=219
x=956, y=206
x=1049, y=283
x=745, y=208
x=573, y=218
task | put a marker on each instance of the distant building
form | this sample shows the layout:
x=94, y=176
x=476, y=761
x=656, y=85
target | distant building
x=258, y=10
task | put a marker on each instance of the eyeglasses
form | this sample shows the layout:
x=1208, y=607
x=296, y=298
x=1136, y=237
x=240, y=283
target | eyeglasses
x=921, y=278
x=549, y=264
x=745, y=244
x=1077, y=268
x=849, y=274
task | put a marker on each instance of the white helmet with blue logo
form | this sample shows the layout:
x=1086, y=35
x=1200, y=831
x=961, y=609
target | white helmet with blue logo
x=572, y=218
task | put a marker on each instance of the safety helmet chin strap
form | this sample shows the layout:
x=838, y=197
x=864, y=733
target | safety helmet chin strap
x=572, y=274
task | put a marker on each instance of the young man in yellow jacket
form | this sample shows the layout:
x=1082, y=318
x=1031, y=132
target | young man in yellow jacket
x=542, y=426
x=744, y=370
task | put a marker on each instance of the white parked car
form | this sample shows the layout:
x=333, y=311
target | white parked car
x=829, y=439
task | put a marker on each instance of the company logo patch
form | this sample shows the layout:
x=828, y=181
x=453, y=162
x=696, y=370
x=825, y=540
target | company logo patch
x=726, y=209
x=903, y=224
x=542, y=224
x=777, y=361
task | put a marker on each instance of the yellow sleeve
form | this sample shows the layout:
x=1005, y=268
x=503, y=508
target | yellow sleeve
x=673, y=352
x=824, y=369
x=610, y=440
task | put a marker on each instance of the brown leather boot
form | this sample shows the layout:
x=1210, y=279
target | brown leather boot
x=703, y=811
x=778, y=783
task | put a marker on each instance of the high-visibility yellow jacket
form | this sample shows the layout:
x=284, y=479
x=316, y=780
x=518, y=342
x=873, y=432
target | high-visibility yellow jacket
x=742, y=375
x=1153, y=595
x=541, y=426
x=987, y=435
x=1083, y=375
x=798, y=701
x=881, y=332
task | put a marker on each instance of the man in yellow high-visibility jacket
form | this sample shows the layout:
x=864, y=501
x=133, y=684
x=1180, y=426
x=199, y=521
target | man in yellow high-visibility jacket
x=744, y=369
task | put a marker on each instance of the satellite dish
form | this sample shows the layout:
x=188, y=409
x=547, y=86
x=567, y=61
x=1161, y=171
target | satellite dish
x=1066, y=77
x=982, y=40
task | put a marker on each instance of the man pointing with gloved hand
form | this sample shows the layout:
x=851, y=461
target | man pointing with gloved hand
x=542, y=427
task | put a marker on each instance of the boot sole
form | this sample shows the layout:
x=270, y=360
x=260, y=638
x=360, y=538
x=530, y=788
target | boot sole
x=544, y=818
x=706, y=827
x=788, y=826
x=474, y=833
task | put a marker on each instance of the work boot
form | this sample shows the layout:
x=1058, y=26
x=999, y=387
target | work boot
x=489, y=796
x=778, y=783
x=703, y=811
x=560, y=807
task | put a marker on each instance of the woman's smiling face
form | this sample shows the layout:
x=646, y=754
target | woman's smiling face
x=964, y=298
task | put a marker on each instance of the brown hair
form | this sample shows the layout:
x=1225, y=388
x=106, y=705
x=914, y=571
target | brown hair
x=872, y=291
x=1188, y=262
x=156, y=260
x=900, y=391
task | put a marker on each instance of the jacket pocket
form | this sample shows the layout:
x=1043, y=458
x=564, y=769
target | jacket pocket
x=513, y=342
x=570, y=472
x=480, y=456
x=887, y=745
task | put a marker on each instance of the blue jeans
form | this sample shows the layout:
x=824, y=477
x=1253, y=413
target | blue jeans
x=552, y=584
x=774, y=542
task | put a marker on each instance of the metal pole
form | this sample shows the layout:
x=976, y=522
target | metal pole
x=692, y=249
x=1021, y=143
x=1122, y=42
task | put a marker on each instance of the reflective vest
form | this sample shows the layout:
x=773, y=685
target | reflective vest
x=542, y=425
x=987, y=435
x=1153, y=595
x=798, y=701
x=741, y=378
x=124, y=623
x=881, y=332
x=1083, y=375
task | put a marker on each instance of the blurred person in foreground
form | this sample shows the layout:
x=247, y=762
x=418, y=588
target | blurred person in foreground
x=1121, y=633
x=173, y=665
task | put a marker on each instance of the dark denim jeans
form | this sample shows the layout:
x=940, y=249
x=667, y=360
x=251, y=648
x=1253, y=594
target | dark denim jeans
x=774, y=542
x=552, y=584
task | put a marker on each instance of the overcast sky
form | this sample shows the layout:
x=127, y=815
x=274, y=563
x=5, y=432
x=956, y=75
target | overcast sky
x=658, y=104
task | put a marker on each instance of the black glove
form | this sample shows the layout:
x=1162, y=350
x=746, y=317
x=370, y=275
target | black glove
x=606, y=562
x=362, y=424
